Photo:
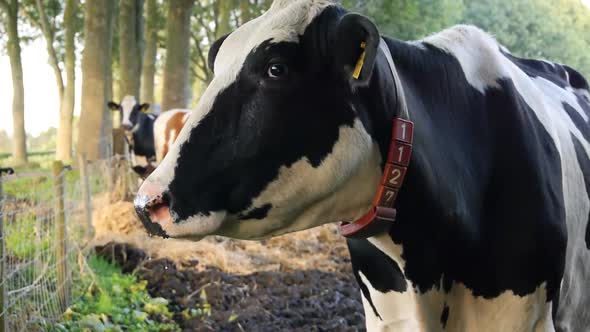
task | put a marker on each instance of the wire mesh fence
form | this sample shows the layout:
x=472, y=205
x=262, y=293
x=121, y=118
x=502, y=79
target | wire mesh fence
x=45, y=225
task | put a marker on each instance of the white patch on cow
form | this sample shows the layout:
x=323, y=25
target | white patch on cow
x=127, y=105
x=160, y=126
x=284, y=21
x=484, y=65
x=398, y=311
x=340, y=188
x=477, y=52
x=195, y=226
x=413, y=311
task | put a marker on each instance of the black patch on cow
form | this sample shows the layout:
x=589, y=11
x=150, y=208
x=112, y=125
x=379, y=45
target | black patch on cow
x=257, y=213
x=444, y=316
x=257, y=125
x=143, y=138
x=584, y=162
x=380, y=270
x=576, y=79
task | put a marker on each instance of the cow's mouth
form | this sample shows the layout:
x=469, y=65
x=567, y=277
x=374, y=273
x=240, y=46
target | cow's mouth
x=153, y=213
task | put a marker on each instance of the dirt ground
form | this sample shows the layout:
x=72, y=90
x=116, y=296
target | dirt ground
x=296, y=282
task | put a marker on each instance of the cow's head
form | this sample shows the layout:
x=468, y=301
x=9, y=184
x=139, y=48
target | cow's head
x=130, y=110
x=280, y=140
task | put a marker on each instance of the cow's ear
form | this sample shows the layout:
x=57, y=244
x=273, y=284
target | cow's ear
x=213, y=52
x=144, y=107
x=113, y=106
x=356, y=43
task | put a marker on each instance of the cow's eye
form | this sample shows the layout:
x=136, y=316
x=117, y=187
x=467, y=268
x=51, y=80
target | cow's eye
x=277, y=70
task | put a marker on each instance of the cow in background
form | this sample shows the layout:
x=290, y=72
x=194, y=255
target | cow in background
x=139, y=131
x=149, y=135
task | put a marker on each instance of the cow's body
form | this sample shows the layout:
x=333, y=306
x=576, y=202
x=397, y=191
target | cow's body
x=166, y=130
x=496, y=191
x=492, y=225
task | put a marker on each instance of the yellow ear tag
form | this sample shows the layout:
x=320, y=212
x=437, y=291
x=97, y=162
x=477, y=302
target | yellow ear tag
x=360, y=63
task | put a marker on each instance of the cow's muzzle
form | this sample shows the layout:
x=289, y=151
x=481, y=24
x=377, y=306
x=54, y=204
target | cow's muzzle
x=152, y=205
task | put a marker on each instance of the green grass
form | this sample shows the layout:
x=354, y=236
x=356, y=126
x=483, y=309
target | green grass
x=36, y=160
x=24, y=238
x=39, y=188
x=116, y=302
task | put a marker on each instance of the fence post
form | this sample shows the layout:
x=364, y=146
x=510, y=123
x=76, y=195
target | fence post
x=3, y=304
x=61, y=236
x=83, y=164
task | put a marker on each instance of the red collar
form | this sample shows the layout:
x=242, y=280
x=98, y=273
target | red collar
x=382, y=214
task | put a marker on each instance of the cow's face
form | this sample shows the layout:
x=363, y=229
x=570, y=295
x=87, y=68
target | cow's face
x=276, y=143
x=129, y=110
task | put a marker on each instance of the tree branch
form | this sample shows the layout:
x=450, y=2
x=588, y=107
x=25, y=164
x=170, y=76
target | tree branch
x=32, y=19
x=200, y=52
x=199, y=77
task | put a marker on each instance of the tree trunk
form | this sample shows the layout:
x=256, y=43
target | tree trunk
x=111, y=8
x=64, y=132
x=130, y=45
x=94, y=73
x=224, y=23
x=176, y=70
x=151, y=51
x=107, y=115
x=18, y=98
x=245, y=12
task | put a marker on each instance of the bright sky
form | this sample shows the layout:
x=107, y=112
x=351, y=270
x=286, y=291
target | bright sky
x=41, y=97
x=41, y=100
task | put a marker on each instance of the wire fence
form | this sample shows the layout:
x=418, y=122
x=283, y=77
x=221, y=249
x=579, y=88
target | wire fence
x=45, y=226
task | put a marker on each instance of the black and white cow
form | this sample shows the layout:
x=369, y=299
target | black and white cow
x=491, y=231
x=139, y=130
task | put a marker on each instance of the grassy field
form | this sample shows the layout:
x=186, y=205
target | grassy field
x=36, y=160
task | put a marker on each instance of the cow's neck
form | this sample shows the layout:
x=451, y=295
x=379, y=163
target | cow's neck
x=439, y=199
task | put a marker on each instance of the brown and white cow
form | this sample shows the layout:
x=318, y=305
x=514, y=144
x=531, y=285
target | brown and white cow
x=166, y=129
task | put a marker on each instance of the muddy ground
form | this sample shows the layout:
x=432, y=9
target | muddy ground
x=296, y=282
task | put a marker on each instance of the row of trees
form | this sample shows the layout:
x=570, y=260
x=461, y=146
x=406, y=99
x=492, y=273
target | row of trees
x=126, y=46
x=557, y=30
x=157, y=49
